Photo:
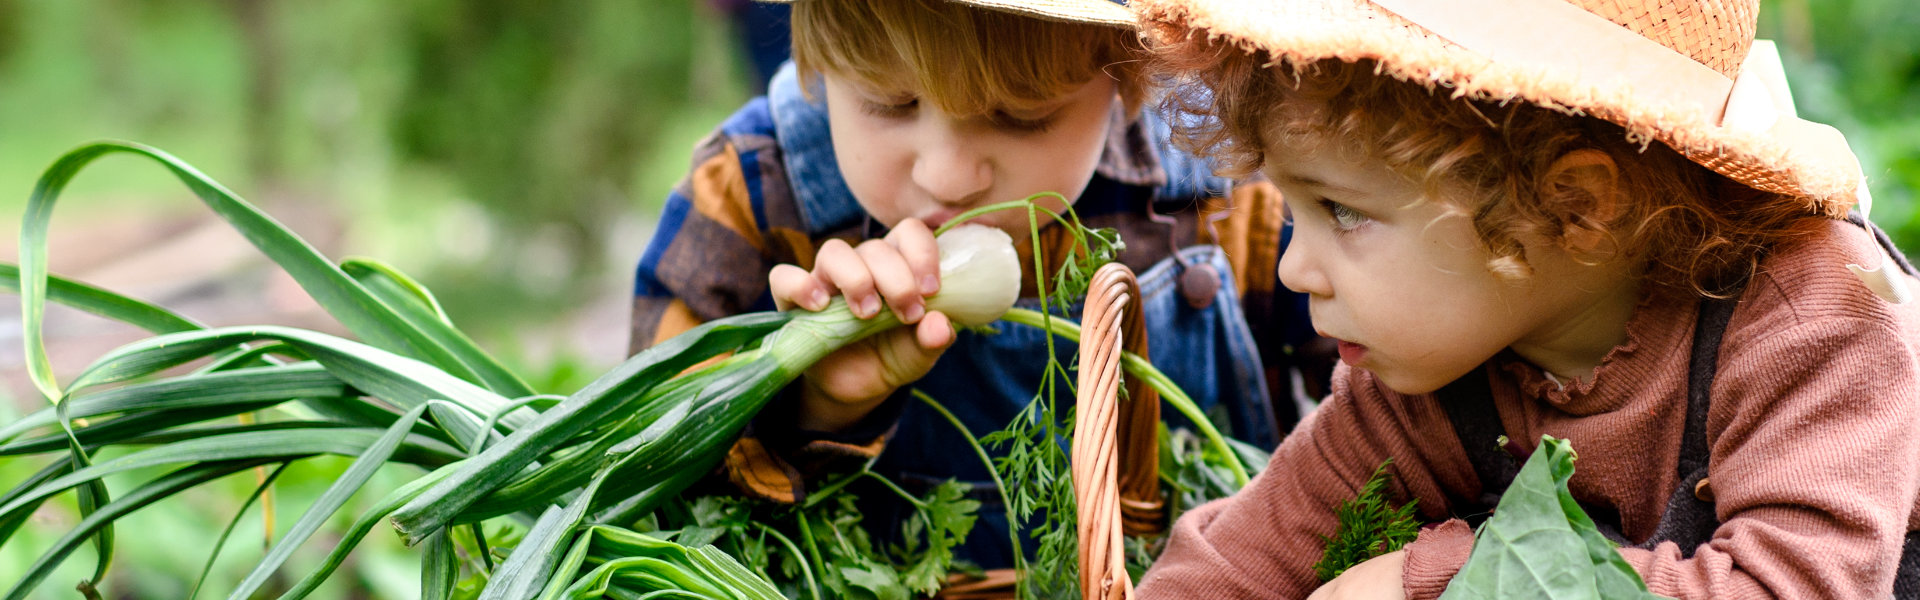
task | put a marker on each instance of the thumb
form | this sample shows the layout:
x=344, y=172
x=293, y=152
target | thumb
x=907, y=353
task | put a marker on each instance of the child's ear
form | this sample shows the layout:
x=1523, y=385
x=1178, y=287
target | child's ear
x=1583, y=189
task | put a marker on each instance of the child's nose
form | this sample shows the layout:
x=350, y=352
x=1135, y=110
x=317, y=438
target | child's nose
x=1300, y=272
x=951, y=172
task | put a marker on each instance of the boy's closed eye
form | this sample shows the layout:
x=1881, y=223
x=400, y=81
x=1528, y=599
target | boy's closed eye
x=1008, y=120
x=1024, y=121
x=892, y=108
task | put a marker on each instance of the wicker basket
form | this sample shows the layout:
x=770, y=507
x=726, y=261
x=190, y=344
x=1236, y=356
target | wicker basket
x=1108, y=436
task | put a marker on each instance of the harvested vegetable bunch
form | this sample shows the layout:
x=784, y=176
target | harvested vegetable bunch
x=417, y=391
x=697, y=415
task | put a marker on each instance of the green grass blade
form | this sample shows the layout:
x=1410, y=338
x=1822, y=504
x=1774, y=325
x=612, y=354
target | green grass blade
x=614, y=393
x=412, y=303
x=248, y=386
x=344, y=298
x=103, y=303
x=147, y=494
x=329, y=502
x=218, y=544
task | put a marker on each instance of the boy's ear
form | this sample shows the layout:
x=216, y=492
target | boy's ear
x=1584, y=190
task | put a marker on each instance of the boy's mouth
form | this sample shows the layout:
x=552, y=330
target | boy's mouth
x=940, y=217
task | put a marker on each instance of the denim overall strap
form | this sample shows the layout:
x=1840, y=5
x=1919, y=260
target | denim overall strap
x=800, y=127
x=1210, y=352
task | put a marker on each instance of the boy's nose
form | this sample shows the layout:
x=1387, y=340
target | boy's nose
x=952, y=173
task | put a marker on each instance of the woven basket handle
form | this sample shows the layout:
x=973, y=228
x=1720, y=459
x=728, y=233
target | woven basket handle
x=1111, y=434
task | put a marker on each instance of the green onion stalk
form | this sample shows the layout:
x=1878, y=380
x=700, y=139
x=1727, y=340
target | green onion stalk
x=678, y=427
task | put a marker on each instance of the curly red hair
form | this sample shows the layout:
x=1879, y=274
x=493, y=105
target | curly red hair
x=1695, y=230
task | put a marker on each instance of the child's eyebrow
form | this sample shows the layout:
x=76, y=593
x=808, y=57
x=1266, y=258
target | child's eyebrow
x=1303, y=180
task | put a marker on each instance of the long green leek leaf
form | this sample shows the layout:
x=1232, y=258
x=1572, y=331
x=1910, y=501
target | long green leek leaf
x=237, y=446
x=152, y=427
x=251, y=385
x=103, y=303
x=399, y=380
x=11, y=522
x=344, y=298
x=158, y=489
x=526, y=569
x=368, y=519
x=266, y=483
x=613, y=393
x=439, y=568
x=330, y=501
x=411, y=302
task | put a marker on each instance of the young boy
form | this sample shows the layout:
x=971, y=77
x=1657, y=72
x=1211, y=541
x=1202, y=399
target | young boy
x=900, y=114
x=1597, y=220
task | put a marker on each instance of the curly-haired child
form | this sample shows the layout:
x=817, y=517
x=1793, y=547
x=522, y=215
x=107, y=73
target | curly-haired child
x=1598, y=220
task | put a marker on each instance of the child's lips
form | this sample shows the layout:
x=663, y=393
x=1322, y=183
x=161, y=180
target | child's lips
x=1351, y=353
x=940, y=217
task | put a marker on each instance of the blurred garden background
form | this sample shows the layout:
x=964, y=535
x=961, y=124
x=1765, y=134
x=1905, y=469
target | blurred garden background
x=512, y=155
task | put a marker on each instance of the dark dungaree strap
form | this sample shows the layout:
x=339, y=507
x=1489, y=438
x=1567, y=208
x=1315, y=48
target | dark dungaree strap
x=1469, y=405
x=1688, y=521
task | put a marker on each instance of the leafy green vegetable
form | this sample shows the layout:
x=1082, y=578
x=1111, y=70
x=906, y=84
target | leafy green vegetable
x=1369, y=527
x=1540, y=544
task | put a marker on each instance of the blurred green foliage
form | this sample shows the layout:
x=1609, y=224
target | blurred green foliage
x=1855, y=64
x=510, y=153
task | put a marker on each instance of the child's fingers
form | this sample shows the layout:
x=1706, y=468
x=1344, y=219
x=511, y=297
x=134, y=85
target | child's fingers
x=894, y=279
x=922, y=253
x=935, y=332
x=839, y=266
x=793, y=286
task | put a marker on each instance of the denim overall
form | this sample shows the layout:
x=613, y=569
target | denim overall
x=985, y=379
x=1689, y=519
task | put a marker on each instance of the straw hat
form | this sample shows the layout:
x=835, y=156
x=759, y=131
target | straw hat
x=1687, y=73
x=1104, y=12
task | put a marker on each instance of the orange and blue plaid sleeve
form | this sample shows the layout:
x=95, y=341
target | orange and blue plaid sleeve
x=724, y=227
x=712, y=247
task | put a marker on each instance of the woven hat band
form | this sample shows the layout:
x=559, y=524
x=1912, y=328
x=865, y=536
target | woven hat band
x=1553, y=36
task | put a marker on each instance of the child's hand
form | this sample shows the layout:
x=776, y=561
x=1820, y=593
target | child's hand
x=1379, y=578
x=899, y=271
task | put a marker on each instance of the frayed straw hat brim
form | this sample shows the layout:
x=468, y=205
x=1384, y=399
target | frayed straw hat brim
x=1101, y=12
x=1302, y=31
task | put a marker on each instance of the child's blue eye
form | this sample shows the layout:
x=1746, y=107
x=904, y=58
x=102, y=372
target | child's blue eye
x=1344, y=218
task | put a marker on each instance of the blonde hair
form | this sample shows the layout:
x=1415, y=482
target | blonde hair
x=1696, y=231
x=965, y=60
